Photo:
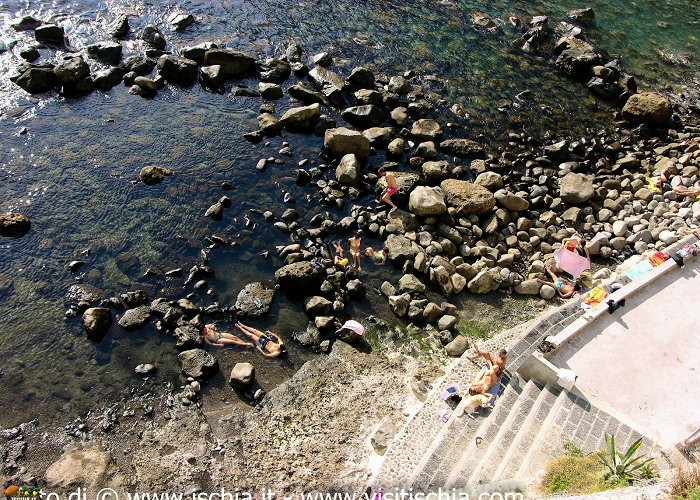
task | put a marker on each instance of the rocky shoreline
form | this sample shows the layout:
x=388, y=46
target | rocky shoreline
x=473, y=218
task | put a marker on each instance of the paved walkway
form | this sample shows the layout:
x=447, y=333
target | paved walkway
x=644, y=361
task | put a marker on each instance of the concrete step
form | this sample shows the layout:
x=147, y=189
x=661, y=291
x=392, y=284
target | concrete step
x=437, y=469
x=467, y=471
x=538, y=418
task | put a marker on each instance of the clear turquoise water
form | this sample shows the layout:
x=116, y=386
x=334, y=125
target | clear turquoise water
x=74, y=172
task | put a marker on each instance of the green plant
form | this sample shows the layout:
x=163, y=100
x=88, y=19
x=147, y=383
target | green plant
x=573, y=450
x=622, y=467
x=574, y=475
x=685, y=483
x=478, y=330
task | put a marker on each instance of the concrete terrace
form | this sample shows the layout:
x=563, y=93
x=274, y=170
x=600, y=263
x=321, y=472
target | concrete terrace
x=644, y=360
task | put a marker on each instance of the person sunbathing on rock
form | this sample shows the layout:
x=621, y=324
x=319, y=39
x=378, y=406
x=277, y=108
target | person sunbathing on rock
x=221, y=339
x=563, y=288
x=378, y=257
x=269, y=344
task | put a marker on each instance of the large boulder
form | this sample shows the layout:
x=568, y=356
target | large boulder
x=187, y=337
x=87, y=467
x=427, y=201
x=49, y=33
x=349, y=170
x=196, y=52
x=426, y=130
x=528, y=287
x=648, y=107
x=71, y=70
x=410, y=283
x=83, y=294
x=436, y=171
x=97, y=321
x=37, y=80
x=484, y=282
x=300, y=277
x=401, y=248
x=301, y=119
x=341, y=141
x=255, y=300
x=14, y=225
x=153, y=37
x=329, y=83
x=135, y=318
x=242, y=375
x=365, y=116
x=178, y=70
x=233, y=62
x=576, y=188
x=468, y=198
x=463, y=148
x=274, y=70
x=198, y=363
x=317, y=305
x=458, y=346
x=511, y=201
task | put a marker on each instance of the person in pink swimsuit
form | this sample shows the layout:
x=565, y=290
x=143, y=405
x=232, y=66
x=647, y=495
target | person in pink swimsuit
x=390, y=189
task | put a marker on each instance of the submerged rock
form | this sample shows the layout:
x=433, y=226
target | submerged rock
x=198, y=363
x=300, y=277
x=135, y=318
x=648, y=107
x=49, y=33
x=151, y=174
x=97, y=321
x=179, y=70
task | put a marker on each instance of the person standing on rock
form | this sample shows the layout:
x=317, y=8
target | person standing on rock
x=269, y=344
x=356, y=249
x=390, y=189
x=221, y=339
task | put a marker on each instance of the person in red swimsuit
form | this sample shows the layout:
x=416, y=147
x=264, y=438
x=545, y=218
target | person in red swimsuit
x=390, y=189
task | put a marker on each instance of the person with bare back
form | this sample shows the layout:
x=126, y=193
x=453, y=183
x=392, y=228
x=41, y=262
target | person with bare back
x=390, y=190
x=356, y=249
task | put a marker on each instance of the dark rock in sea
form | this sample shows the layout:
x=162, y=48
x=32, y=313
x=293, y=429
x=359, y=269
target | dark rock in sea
x=198, y=363
x=310, y=337
x=576, y=58
x=151, y=174
x=14, y=225
x=233, y=62
x=139, y=64
x=300, y=278
x=97, y=321
x=37, y=80
x=356, y=289
x=301, y=119
x=30, y=53
x=484, y=22
x=108, y=78
x=26, y=23
x=120, y=27
x=180, y=20
x=147, y=87
x=364, y=116
x=7, y=287
x=305, y=95
x=270, y=91
x=74, y=265
x=212, y=76
x=317, y=305
x=135, y=318
x=582, y=15
x=187, y=337
x=463, y=148
x=153, y=37
x=134, y=299
x=329, y=83
x=178, y=70
x=71, y=69
x=108, y=52
x=49, y=33
x=196, y=52
x=361, y=78
x=274, y=70
x=255, y=300
x=128, y=263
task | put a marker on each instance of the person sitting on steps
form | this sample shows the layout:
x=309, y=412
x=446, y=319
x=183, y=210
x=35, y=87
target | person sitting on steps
x=269, y=344
x=221, y=339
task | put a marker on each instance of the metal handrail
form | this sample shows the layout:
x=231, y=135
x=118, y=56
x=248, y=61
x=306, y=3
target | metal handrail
x=692, y=439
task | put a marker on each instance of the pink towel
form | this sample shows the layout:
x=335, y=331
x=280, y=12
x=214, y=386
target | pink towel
x=571, y=262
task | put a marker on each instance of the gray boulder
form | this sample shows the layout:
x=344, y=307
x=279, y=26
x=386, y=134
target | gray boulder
x=329, y=83
x=511, y=201
x=317, y=305
x=436, y=171
x=341, y=141
x=151, y=174
x=410, y=283
x=233, y=62
x=71, y=69
x=187, y=337
x=427, y=201
x=463, y=148
x=301, y=119
x=274, y=70
x=49, y=33
x=648, y=107
x=242, y=375
x=458, y=346
x=135, y=318
x=365, y=116
x=576, y=188
x=399, y=304
x=482, y=283
x=255, y=300
x=108, y=52
x=300, y=277
x=426, y=130
x=349, y=170
x=37, y=80
x=198, y=363
x=467, y=198
x=401, y=248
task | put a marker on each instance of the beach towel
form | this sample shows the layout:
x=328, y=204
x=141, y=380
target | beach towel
x=658, y=258
x=639, y=270
x=595, y=297
x=571, y=262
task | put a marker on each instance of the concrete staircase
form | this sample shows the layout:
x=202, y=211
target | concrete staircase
x=529, y=424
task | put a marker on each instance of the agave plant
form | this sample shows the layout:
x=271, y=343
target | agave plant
x=621, y=467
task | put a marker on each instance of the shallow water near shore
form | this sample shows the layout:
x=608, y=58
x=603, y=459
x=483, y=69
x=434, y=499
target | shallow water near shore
x=74, y=171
